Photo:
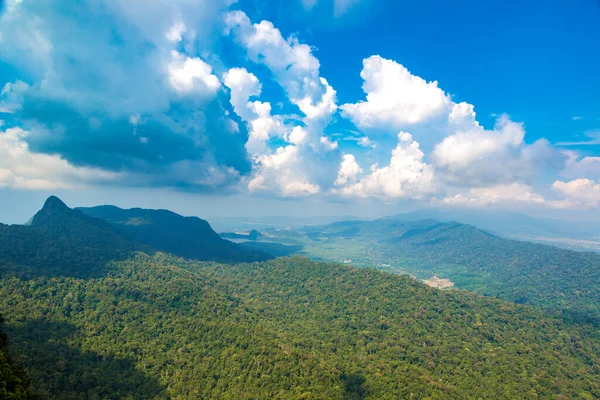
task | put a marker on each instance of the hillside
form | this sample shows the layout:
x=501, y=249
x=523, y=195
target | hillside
x=569, y=234
x=14, y=384
x=167, y=231
x=62, y=241
x=522, y=272
x=157, y=327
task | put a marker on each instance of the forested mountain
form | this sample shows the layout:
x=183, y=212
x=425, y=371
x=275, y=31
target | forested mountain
x=473, y=259
x=165, y=230
x=159, y=327
x=62, y=241
x=149, y=325
x=569, y=234
x=252, y=235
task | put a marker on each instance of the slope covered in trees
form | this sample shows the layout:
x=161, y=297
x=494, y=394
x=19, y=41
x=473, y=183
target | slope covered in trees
x=13, y=381
x=523, y=272
x=160, y=327
x=165, y=230
x=64, y=241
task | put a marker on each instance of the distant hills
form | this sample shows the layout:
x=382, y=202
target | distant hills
x=167, y=231
x=60, y=240
x=472, y=258
x=510, y=224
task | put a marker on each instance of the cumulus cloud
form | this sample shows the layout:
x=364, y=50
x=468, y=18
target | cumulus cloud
x=328, y=144
x=277, y=172
x=348, y=171
x=511, y=194
x=91, y=66
x=23, y=169
x=406, y=177
x=292, y=170
x=243, y=86
x=464, y=152
x=191, y=75
x=292, y=63
x=580, y=194
x=474, y=156
x=577, y=166
x=365, y=141
x=395, y=97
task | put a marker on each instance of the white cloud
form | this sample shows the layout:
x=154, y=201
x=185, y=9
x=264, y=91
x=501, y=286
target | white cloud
x=581, y=167
x=580, y=194
x=191, y=75
x=500, y=194
x=20, y=168
x=328, y=144
x=298, y=135
x=365, y=141
x=474, y=156
x=348, y=171
x=71, y=54
x=291, y=170
x=460, y=150
x=464, y=152
x=262, y=125
x=292, y=63
x=279, y=173
x=407, y=175
x=395, y=97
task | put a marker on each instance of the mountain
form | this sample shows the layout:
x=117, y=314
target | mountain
x=252, y=235
x=160, y=327
x=62, y=241
x=167, y=231
x=473, y=259
x=56, y=218
x=223, y=224
x=506, y=223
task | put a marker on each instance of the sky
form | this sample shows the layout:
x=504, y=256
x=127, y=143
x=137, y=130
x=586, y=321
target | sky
x=301, y=107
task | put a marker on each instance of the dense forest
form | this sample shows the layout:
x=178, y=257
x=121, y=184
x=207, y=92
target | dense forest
x=14, y=384
x=149, y=325
x=528, y=273
x=161, y=327
x=167, y=231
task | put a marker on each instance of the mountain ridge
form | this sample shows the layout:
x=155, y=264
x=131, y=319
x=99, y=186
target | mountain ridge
x=164, y=230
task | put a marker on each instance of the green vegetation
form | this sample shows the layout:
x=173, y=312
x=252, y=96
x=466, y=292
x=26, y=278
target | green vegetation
x=13, y=382
x=63, y=241
x=164, y=230
x=522, y=272
x=135, y=323
x=161, y=327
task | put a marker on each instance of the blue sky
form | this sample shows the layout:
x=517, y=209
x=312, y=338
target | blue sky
x=358, y=107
